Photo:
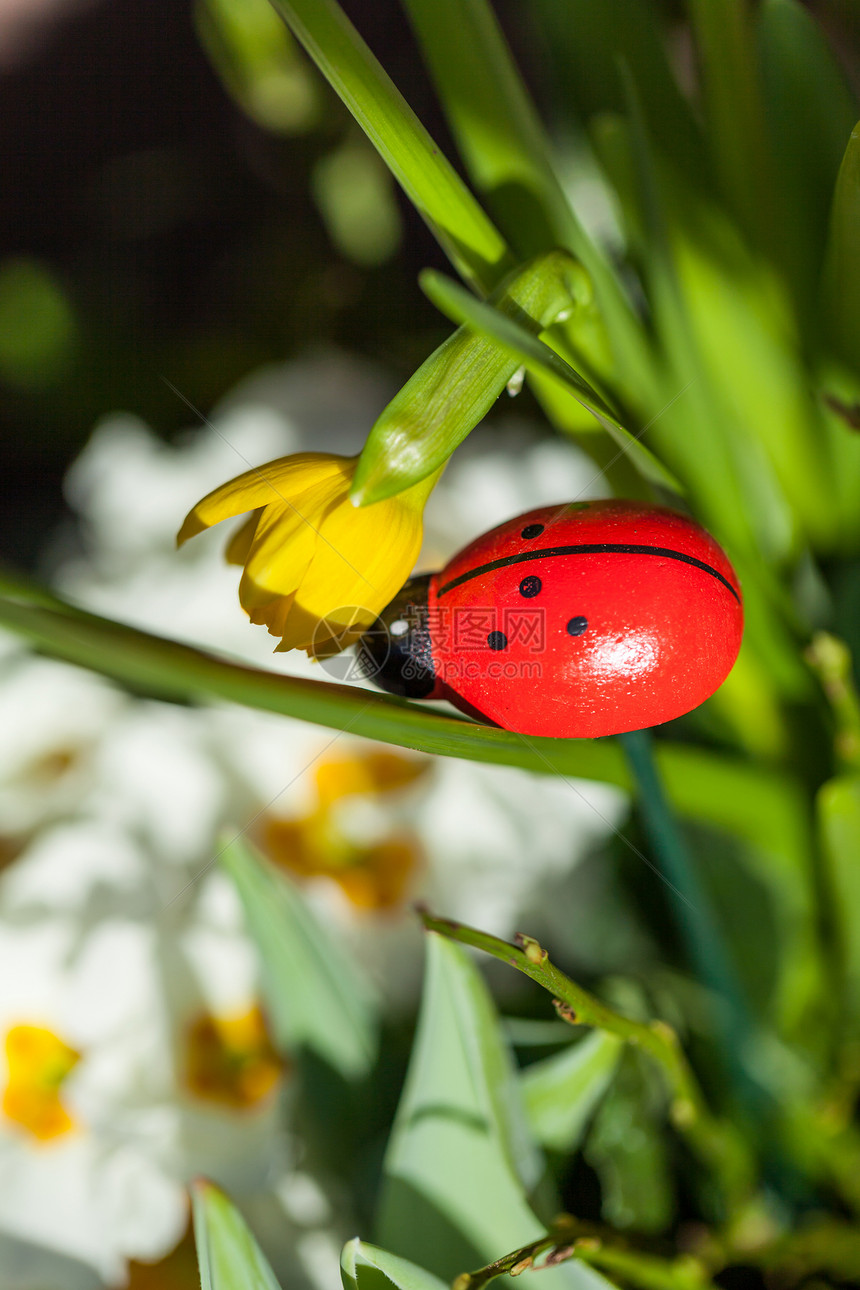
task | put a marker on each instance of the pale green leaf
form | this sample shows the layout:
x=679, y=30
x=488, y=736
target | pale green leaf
x=562, y=1092
x=316, y=997
x=453, y=1195
x=228, y=1256
x=628, y=1149
x=367, y=1267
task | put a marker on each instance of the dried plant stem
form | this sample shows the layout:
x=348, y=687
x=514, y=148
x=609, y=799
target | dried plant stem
x=569, y=1238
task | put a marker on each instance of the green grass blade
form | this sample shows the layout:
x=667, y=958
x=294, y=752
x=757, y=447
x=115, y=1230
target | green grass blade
x=764, y=807
x=460, y=306
x=164, y=669
x=494, y=122
x=228, y=1256
x=841, y=278
x=465, y=232
x=561, y=1092
x=810, y=113
x=315, y=995
x=508, y=159
x=734, y=109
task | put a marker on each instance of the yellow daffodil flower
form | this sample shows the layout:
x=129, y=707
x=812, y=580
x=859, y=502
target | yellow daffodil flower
x=317, y=570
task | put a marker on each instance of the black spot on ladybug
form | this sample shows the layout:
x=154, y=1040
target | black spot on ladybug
x=497, y=640
x=532, y=531
x=577, y=626
x=530, y=586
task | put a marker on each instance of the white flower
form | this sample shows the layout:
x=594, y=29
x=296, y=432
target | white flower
x=51, y=718
x=135, y=1054
x=70, y=1182
x=125, y=953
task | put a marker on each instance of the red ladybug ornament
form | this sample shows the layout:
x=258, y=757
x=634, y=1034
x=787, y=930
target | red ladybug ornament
x=572, y=621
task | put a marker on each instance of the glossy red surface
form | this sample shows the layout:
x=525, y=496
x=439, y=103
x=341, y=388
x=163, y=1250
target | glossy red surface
x=586, y=643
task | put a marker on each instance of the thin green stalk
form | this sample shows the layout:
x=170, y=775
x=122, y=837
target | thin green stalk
x=692, y=907
x=718, y=1145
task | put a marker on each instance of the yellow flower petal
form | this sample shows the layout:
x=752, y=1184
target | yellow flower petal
x=272, y=484
x=239, y=546
x=317, y=570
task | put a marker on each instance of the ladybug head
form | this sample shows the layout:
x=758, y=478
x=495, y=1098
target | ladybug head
x=395, y=652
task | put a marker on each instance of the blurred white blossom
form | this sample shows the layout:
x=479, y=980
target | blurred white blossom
x=125, y=970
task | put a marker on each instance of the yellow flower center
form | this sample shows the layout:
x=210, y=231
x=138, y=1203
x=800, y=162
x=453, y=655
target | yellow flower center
x=230, y=1059
x=375, y=877
x=39, y=1062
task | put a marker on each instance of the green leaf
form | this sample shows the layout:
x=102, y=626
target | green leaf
x=810, y=112
x=734, y=110
x=453, y=1195
x=562, y=1091
x=628, y=1150
x=838, y=807
x=228, y=1255
x=492, y=118
x=841, y=276
x=761, y=805
x=508, y=159
x=460, y=306
x=587, y=40
x=453, y=389
x=367, y=1267
x=315, y=995
x=166, y=670
x=467, y=236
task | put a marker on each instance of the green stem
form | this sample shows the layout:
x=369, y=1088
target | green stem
x=692, y=907
x=716, y=1143
x=696, y=921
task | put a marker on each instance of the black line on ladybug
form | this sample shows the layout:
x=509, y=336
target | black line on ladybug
x=588, y=548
